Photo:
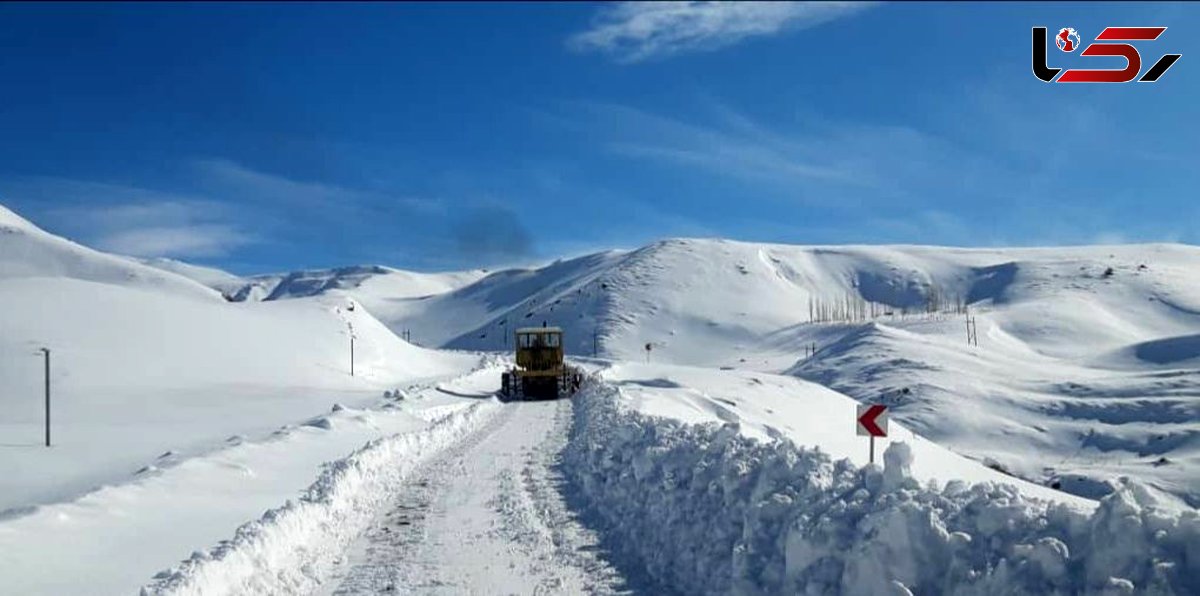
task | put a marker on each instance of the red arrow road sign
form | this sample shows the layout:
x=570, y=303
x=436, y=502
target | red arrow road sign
x=872, y=420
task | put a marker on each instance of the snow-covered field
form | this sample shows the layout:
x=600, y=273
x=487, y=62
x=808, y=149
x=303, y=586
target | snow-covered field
x=1058, y=454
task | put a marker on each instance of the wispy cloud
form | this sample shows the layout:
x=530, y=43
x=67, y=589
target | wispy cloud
x=218, y=207
x=222, y=175
x=884, y=161
x=744, y=151
x=131, y=220
x=893, y=182
x=157, y=225
x=208, y=240
x=636, y=31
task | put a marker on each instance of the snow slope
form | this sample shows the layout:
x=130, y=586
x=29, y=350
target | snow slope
x=27, y=252
x=374, y=285
x=1085, y=369
x=146, y=361
x=684, y=294
x=224, y=282
x=1081, y=375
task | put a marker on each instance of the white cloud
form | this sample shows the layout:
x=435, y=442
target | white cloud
x=206, y=240
x=227, y=206
x=166, y=227
x=635, y=31
x=131, y=220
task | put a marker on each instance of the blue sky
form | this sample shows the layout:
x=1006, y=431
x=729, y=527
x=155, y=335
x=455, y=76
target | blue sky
x=272, y=137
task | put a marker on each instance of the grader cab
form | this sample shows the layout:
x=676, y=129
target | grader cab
x=540, y=372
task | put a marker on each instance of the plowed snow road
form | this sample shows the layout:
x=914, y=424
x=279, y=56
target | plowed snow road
x=486, y=516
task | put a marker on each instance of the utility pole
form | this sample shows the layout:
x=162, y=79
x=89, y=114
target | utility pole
x=350, y=326
x=46, y=354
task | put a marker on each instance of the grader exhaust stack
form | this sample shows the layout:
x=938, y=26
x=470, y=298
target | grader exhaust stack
x=540, y=372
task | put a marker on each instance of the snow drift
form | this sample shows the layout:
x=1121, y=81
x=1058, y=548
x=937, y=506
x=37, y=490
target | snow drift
x=706, y=510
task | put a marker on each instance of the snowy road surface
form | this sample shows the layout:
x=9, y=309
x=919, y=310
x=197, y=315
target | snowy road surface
x=484, y=517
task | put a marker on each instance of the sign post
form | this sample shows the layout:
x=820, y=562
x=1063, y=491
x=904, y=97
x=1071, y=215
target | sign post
x=872, y=421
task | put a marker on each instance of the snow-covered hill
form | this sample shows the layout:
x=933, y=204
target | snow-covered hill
x=1086, y=367
x=678, y=294
x=28, y=252
x=222, y=281
x=147, y=361
x=374, y=283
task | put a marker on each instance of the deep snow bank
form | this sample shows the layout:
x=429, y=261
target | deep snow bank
x=706, y=510
x=290, y=548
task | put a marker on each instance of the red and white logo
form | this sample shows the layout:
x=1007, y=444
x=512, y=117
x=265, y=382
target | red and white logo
x=1068, y=39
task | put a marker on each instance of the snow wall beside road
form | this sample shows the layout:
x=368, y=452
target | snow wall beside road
x=707, y=511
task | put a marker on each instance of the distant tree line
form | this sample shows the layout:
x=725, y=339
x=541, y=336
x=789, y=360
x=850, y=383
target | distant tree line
x=853, y=308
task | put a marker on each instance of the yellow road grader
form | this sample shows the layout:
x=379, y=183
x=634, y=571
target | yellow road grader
x=540, y=372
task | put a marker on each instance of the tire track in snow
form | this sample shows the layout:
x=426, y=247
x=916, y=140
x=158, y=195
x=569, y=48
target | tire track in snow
x=488, y=517
x=290, y=549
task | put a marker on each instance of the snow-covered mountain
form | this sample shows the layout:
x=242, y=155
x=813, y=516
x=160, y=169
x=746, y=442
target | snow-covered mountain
x=1085, y=369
